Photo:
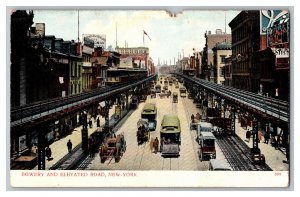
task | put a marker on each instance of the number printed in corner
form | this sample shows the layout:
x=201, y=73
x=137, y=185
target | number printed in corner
x=277, y=173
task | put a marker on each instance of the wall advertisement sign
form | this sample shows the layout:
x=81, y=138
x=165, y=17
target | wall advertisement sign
x=269, y=17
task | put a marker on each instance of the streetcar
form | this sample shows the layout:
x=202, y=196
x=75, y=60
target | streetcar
x=182, y=91
x=170, y=136
x=149, y=112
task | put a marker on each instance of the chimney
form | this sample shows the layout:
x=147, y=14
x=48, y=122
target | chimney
x=218, y=31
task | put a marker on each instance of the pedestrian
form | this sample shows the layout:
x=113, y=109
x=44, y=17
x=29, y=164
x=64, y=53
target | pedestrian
x=98, y=122
x=91, y=147
x=90, y=122
x=192, y=118
x=48, y=153
x=248, y=135
x=34, y=149
x=151, y=144
x=259, y=136
x=198, y=116
x=267, y=137
x=155, y=144
x=69, y=145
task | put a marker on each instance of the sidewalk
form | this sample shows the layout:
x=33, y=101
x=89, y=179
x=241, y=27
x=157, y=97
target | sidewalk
x=274, y=158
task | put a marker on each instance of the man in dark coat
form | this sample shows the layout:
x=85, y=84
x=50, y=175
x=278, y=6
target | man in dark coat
x=69, y=145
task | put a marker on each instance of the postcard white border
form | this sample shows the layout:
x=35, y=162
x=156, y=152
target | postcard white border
x=243, y=175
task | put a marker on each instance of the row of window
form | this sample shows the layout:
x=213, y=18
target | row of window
x=75, y=69
x=132, y=51
x=75, y=88
x=240, y=33
x=240, y=67
x=240, y=49
x=86, y=58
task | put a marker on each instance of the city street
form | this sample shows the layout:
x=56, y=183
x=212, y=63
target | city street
x=140, y=157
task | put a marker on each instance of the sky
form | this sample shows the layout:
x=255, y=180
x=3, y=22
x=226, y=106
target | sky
x=169, y=35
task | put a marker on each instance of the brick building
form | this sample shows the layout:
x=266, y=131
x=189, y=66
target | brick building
x=207, y=56
x=245, y=31
x=139, y=55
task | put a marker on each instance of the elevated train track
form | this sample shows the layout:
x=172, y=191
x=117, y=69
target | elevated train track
x=50, y=108
x=258, y=104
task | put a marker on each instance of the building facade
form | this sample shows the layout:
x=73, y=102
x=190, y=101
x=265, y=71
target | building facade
x=271, y=70
x=207, y=54
x=245, y=31
x=228, y=71
x=139, y=55
x=221, y=52
x=87, y=54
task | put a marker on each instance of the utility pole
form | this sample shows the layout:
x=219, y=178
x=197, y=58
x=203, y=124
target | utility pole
x=116, y=35
x=78, y=26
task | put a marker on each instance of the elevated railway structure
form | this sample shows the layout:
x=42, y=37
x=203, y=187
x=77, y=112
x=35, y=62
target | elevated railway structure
x=46, y=109
x=36, y=117
x=264, y=111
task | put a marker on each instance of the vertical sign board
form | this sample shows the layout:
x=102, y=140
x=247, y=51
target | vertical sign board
x=98, y=39
x=269, y=17
x=40, y=29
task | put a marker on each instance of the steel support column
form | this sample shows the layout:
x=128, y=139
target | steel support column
x=255, y=148
x=41, y=147
x=233, y=110
x=106, y=117
x=84, y=131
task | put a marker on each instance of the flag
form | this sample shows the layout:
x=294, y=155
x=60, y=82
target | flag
x=146, y=35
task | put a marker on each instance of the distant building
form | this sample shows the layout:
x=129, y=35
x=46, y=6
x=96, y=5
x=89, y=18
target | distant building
x=228, y=71
x=99, y=73
x=221, y=52
x=207, y=55
x=87, y=54
x=139, y=55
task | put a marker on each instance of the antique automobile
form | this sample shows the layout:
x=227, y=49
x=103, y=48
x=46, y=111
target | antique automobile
x=114, y=147
x=165, y=87
x=195, y=121
x=164, y=93
x=153, y=93
x=207, y=146
x=143, y=133
x=175, y=97
x=219, y=165
x=203, y=127
x=158, y=88
x=170, y=136
x=149, y=112
x=182, y=91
